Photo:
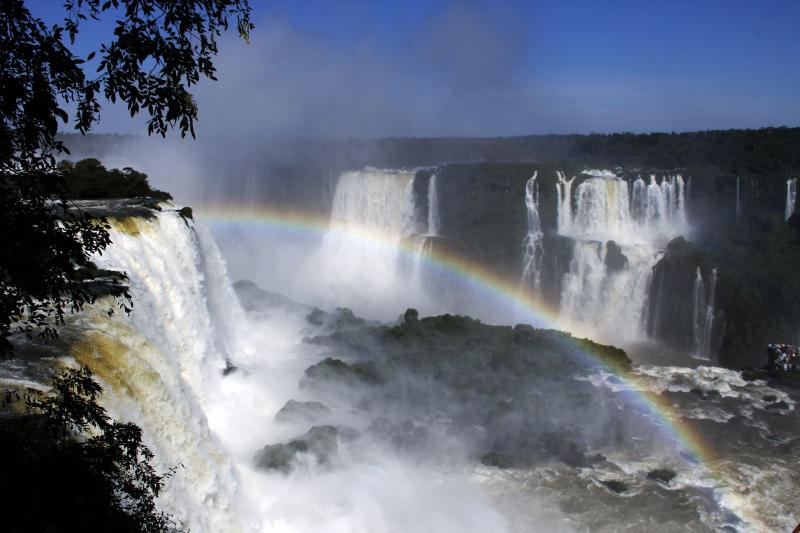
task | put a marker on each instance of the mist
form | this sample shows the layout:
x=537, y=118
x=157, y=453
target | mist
x=478, y=69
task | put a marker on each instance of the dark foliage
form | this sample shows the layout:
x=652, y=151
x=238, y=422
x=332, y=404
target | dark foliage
x=509, y=393
x=159, y=50
x=89, y=179
x=74, y=469
x=45, y=254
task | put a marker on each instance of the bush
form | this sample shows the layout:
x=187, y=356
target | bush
x=89, y=179
x=68, y=467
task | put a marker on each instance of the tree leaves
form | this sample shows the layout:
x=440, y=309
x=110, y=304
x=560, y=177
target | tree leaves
x=159, y=49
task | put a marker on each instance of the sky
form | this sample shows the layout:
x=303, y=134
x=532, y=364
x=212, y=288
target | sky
x=423, y=68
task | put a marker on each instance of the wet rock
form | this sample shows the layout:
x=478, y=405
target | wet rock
x=316, y=317
x=295, y=411
x=341, y=319
x=664, y=475
x=769, y=398
x=320, y=443
x=778, y=405
x=497, y=460
x=331, y=370
x=411, y=316
x=752, y=374
x=229, y=369
x=255, y=299
x=615, y=259
x=615, y=485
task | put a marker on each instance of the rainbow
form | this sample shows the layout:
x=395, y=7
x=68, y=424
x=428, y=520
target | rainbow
x=295, y=222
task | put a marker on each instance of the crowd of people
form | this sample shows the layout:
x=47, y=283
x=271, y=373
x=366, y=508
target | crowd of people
x=783, y=357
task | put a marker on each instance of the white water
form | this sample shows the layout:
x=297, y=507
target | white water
x=641, y=221
x=791, y=197
x=367, y=257
x=612, y=304
x=434, y=222
x=162, y=367
x=162, y=364
x=564, y=194
x=532, y=247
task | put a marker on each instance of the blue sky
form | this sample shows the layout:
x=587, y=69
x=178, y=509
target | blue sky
x=498, y=68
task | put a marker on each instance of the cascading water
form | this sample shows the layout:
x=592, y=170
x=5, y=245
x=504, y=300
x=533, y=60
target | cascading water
x=204, y=381
x=564, y=192
x=368, y=256
x=698, y=312
x=162, y=363
x=533, y=249
x=791, y=197
x=608, y=284
x=434, y=222
x=703, y=315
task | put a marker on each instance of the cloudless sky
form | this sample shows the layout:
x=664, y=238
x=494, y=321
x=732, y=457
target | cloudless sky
x=362, y=67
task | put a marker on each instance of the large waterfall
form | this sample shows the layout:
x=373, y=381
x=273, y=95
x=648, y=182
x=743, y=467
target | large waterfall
x=370, y=254
x=162, y=364
x=608, y=283
x=204, y=381
x=791, y=197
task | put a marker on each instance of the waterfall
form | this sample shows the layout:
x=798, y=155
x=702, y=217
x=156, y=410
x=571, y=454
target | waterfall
x=703, y=315
x=708, y=326
x=160, y=365
x=605, y=209
x=612, y=303
x=791, y=197
x=698, y=312
x=564, y=192
x=369, y=258
x=639, y=200
x=533, y=249
x=380, y=204
x=602, y=209
x=607, y=287
x=434, y=223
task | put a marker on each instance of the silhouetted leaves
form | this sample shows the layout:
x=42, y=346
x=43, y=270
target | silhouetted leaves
x=158, y=50
x=69, y=467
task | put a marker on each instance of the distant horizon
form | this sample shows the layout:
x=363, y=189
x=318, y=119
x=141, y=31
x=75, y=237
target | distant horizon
x=389, y=137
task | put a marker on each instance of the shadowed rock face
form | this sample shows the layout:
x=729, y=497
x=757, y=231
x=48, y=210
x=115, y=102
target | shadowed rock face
x=337, y=371
x=295, y=411
x=499, y=390
x=320, y=444
x=670, y=316
x=664, y=475
x=615, y=259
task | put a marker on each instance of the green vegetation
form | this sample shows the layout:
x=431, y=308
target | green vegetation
x=89, y=179
x=45, y=240
x=68, y=467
